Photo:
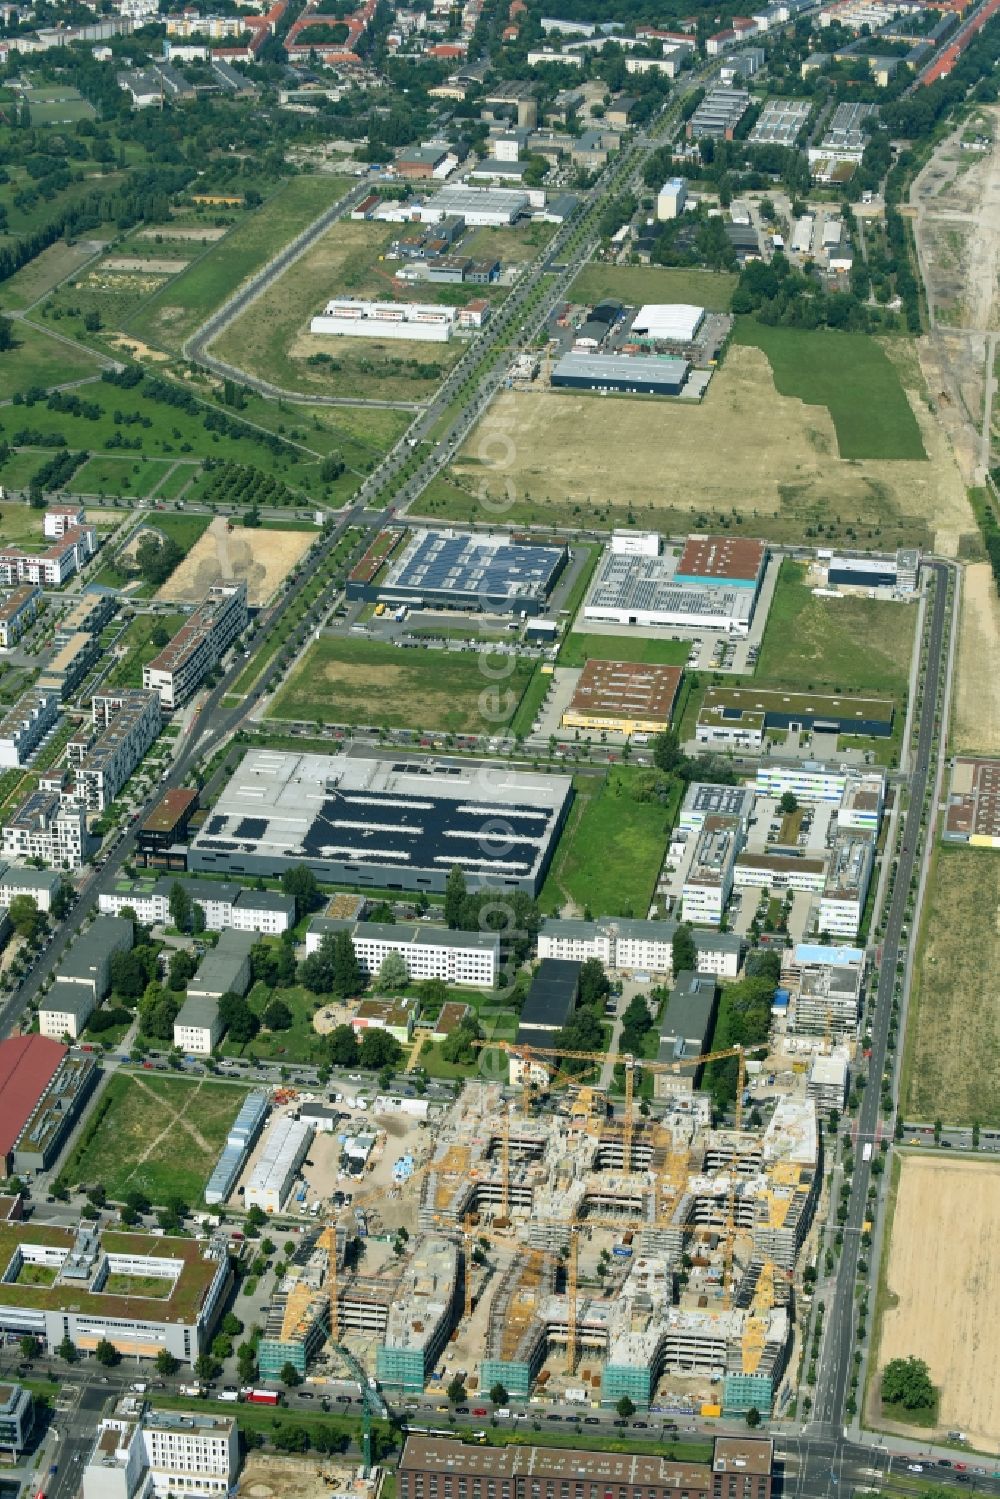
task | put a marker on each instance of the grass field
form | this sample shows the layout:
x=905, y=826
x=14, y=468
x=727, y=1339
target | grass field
x=138, y=648
x=611, y=848
x=300, y=1043
x=636, y=284
x=43, y=273
x=366, y=682
x=19, y=524
x=951, y=1057
x=851, y=375
x=509, y=246
x=158, y=1135
x=37, y=359
x=172, y=314
x=847, y=644
x=578, y=648
x=577, y=460
x=109, y=474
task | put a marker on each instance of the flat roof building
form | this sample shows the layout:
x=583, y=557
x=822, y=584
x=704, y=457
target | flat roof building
x=394, y=824
x=461, y=570
x=471, y=958
x=651, y=374
x=668, y=322
x=973, y=809
x=845, y=891
x=780, y=122
x=225, y=968
x=27, y=1066
x=630, y=945
x=739, y=717
x=709, y=880
x=480, y=207
x=736, y=561
x=685, y=1031
x=718, y=114
x=199, y=644
x=357, y=318
x=645, y=591
x=547, y=1008
x=17, y=1417
x=624, y=697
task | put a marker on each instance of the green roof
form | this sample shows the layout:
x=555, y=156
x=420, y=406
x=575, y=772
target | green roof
x=809, y=704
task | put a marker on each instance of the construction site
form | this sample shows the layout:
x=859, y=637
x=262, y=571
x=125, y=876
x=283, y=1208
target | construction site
x=550, y=1249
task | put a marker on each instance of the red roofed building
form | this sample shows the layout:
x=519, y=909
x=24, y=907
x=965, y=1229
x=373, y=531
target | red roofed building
x=27, y=1066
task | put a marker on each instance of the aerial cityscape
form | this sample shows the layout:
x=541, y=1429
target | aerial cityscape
x=499, y=749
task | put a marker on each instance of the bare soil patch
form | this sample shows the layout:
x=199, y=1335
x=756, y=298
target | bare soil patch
x=946, y=1288
x=194, y=232
x=157, y=266
x=977, y=687
x=262, y=557
x=138, y=349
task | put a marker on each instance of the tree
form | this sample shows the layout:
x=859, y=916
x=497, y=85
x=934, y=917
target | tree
x=787, y=804
x=753, y=1417
x=179, y=902
x=289, y=1375
x=379, y=1049
x=460, y=1046
x=231, y=1324
x=63, y=899
x=206, y=1367
x=156, y=558
x=277, y=1016
x=456, y=1391
x=455, y=891
x=684, y=951
x=498, y=1395
x=333, y=968
x=29, y=1346
x=300, y=882
x=159, y=636
x=222, y=1347
x=667, y=754
x=25, y=916
x=165, y=1362
x=237, y=1018
x=907, y=1382
x=67, y=1350
x=393, y=973
x=342, y=1046
x=246, y=1362
x=106, y=1353
x=594, y=983
x=129, y=976
x=182, y=969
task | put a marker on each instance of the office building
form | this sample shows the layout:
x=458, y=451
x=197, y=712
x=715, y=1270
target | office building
x=972, y=813
x=739, y=717
x=709, y=880
x=623, y=697
x=807, y=782
x=25, y=725
x=632, y=946
x=845, y=890
x=468, y=958
x=127, y=723
x=145, y=1454
x=17, y=612
x=17, y=1417
x=159, y=841
x=685, y=1032
x=499, y=824
x=863, y=803
x=705, y=799
x=43, y=828
x=199, y=644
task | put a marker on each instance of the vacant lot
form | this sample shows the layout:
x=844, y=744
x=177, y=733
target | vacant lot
x=45, y=271
x=952, y=1056
x=581, y=460
x=847, y=644
x=181, y=307
x=263, y=557
x=635, y=284
x=943, y=1288
x=20, y=525
x=158, y=1135
x=977, y=691
x=365, y=682
x=37, y=359
x=579, y=648
x=611, y=849
x=852, y=376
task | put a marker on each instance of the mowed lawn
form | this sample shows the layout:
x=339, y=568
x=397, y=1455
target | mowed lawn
x=366, y=682
x=636, y=284
x=850, y=374
x=611, y=848
x=578, y=649
x=846, y=644
x=951, y=1060
x=158, y=1135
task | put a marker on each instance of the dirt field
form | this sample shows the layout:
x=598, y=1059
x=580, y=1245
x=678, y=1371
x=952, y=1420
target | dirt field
x=947, y=1288
x=952, y=1053
x=977, y=691
x=156, y=267
x=262, y=557
x=583, y=460
x=183, y=231
x=266, y=1476
x=138, y=349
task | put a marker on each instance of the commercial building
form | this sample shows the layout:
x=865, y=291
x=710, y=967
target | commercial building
x=459, y=570
x=53, y=567
x=704, y=799
x=863, y=803
x=436, y=1467
x=644, y=591
x=17, y=1417
x=145, y=1454
x=243, y=1136
x=417, y=162
x=25, y=725
x=160, y=837
x=44, y=828
x=861, y=572
x=736, y=561
x=739, y=717
x=780, y=122
x=480, y=207
x=766, y=871
x=807, y=782
x=623, y=697
x=629, y=945
x=429, y=952
x=718, y=114
x=825, y=994
x=973, y=811
x=225, y=968
x=709, y=880
x=70, y=664
x=355, y=318
x=42, y=1090
x=393, y=824
x=671, y=198
x=17, y=611
x=685, y=1031
x=127, y=723
x=548, y=1006
x=225, y=906
x=667, y=322
x=650, y=375
x=845, y=891
x=199, y=644
x=846, y=135
x=285, y=1147
x=77, y=1303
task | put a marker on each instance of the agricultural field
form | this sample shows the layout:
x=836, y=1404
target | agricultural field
x=158, y=1135
x=976, y=718
x=849, y=644
x=636, y=284
x=611, y=848
x=952, y=1052
x=940, y=1292
x=263, y=557
x=585, y=461
x=272, y=339
x=365, y=682
x=38, y=360
x=578, y=648
x=172, y=314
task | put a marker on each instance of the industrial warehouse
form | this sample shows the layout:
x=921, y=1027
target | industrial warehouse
x=398, y=825
x=651, y=375
x=459, y=570
x=623, y=697
x=713, y=584
x=353, y=318
x=740, y=717
x=973, y=810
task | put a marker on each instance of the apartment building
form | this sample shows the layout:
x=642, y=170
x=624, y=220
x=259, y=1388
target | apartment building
x=471, y=958
x=633, y=946
x=198, y=1026
x=226, y=906
x=127, y=723
x=62, y=518
x=25, y=725
x=709, y=881
x=17, y=612
x=87, y=615
x=40, y=884
x=842, y=901
x=198, y=645
x=70, y=664
x=54, y=566
x=44, y=828
x=64, y=1012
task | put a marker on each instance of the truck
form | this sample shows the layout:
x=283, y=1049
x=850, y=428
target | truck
x=227, y=1395
x=866, y=1151
x=400, y=614
x=139, y=1387
x=711, y=1411
x=314, y=1207
x=577, y=1395
x=192, y=1389
x=262, y=1397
